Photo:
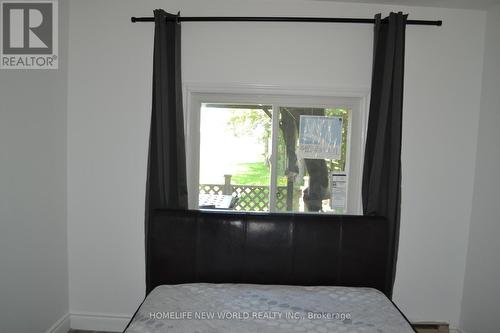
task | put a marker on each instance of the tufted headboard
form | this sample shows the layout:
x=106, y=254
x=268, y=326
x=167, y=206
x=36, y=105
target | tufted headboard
x=288, y=249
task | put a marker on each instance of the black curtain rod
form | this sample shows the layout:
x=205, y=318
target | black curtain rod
x=280, y=19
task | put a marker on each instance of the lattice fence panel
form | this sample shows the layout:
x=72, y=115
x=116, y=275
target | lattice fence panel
x=281, y=198
x=250, y=198
x=211, y=188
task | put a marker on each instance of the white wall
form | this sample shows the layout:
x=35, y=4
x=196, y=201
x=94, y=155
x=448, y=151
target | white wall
x=33, y=233
x=108, y=119
x=481, y=299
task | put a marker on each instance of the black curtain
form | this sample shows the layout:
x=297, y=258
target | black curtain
x=166, y=176
x=382, y=166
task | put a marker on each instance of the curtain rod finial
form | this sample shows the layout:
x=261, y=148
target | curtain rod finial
x=133, y=19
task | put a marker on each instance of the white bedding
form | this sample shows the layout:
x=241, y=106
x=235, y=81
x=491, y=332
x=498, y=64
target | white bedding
x=246, y=308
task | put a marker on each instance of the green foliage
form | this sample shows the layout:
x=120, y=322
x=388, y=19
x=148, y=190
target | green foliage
x=246, y=122
x=339, y=165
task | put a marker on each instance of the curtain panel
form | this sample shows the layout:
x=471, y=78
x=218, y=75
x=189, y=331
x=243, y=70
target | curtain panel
x=166, y=186
x=381, y=186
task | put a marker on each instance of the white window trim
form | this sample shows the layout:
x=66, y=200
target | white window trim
x=356, y=100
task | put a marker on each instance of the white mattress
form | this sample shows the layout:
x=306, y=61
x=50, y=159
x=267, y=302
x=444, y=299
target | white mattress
x=246, y=308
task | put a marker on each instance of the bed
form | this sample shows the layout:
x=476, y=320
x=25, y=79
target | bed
x=216, y=272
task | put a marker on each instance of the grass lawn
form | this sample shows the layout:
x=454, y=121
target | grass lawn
x=255, y=173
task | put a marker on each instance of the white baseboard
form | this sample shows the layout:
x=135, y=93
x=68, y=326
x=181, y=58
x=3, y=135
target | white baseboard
x=60, y=326
x=99, y=322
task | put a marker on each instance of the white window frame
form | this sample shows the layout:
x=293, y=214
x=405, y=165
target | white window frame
x=354, y=100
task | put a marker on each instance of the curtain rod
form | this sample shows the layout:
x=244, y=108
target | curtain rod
x=281, y=19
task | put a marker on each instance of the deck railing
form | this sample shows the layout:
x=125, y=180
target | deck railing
x=250, y=197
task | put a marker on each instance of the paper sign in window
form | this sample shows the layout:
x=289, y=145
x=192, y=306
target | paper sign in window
x=320, y=137
x=339, y=191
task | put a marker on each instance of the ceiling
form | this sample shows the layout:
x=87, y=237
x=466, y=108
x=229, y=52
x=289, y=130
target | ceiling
x=464, y=4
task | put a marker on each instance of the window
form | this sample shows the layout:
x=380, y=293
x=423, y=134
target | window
x=275, y=153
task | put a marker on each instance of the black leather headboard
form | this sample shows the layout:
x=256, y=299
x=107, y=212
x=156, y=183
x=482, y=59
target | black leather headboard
x=288, y=249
